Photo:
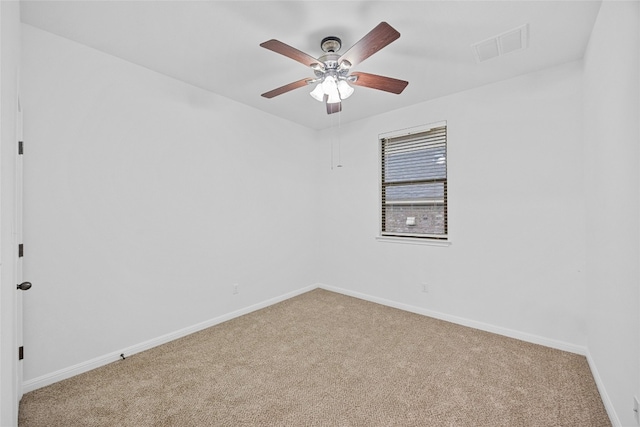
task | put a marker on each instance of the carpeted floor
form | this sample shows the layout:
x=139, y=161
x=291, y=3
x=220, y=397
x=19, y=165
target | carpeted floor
x=325, y=359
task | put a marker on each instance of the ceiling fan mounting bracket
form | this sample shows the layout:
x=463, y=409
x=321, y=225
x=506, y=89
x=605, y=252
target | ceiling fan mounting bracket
x=331, y=44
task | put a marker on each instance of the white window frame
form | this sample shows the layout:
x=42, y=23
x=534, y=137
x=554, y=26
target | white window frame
x=419, y=239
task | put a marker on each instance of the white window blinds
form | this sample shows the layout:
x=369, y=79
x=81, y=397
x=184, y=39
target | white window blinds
x=414, y=184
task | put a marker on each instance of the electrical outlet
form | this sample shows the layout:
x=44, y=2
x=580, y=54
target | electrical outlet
x=636, y=408
x=425, y=288
x=235, y=289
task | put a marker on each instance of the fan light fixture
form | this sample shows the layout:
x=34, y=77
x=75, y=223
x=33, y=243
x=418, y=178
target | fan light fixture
x=335, y=90
x=331, y=76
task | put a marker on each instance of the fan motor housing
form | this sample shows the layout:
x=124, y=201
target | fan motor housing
x=330, y=60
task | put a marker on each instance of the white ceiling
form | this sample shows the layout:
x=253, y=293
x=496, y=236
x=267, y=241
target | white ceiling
x=215, y=44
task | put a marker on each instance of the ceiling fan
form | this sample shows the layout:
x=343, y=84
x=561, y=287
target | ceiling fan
x=332, y=71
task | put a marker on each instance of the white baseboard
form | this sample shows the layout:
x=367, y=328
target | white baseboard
x=88, y=365
x=511, y=333
x=606, y=400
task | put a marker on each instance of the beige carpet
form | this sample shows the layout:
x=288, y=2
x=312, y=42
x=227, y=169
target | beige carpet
x=325, y=359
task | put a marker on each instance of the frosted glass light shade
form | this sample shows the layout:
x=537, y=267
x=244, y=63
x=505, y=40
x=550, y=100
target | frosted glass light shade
x=344, y=89
x=318, y=93
x=329, y=85
x=333, y=97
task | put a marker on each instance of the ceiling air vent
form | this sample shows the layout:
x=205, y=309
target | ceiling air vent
x=502, y=44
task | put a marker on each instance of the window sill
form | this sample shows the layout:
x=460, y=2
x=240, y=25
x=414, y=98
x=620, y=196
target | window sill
x=413, y=241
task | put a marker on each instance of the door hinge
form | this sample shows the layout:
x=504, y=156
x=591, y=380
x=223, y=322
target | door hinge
x=20, y=250
x=21, y=352
x=20, y=147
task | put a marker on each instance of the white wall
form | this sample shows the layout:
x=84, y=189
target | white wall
x=612, y=136
x=146, y=199
x=9, y=67
x=116, y=153
x=516, y=211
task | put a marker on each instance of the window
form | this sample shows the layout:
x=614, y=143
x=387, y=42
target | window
x=414, y=183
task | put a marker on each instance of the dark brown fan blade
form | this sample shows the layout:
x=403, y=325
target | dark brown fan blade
x=334, y=107
x=380, y=82
x=286, y=88
x=379, y=37
x=290, y=52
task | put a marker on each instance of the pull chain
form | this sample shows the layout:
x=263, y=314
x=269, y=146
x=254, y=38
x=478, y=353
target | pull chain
x=335, y=139
x=339, y=165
